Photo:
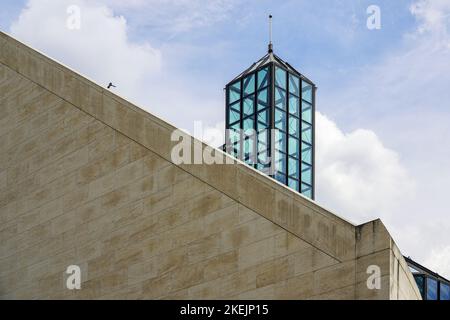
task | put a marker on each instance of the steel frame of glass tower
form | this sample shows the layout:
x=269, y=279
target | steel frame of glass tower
x=271, y=94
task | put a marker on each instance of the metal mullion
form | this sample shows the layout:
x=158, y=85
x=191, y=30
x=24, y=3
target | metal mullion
x=241, y=127
x=227, y=118
x=313, y=120
x=300, y=111
x=255, y=122
x=286, y=101
x=272, y=117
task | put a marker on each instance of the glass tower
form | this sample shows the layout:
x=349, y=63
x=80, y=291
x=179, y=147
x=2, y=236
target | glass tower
x=270, y=122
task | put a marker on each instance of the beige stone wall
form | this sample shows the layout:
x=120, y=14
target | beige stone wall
x=86, y=178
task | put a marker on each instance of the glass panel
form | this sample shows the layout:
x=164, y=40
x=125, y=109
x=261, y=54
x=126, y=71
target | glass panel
x=294, y=127
x=306, y=91
x=249, y=106
x=293, y=165
x=280, y=162
x=306, y=132
x=280, y=120
x=420, y=284
x=280, y=98
x=280, y=141
x=293, y=147
x=306, y=174
x=445, y=291
x=306, y=190
x=294, y=104
x=293, y=184
x=262, y=140
x=234, y=116
x=294, y=85
x=249, y=84
x=263, y=99
x=263, y=162
x=263, y=119
x=263, y=76
x=249, y=125
x=306, y=112
x=280, y=77
x=280, y=177
x=431, y=289
x=234, y=93
x=235, y=126
x=306, y=153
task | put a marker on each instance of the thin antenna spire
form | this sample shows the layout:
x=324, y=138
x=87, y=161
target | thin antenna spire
x=270, y=34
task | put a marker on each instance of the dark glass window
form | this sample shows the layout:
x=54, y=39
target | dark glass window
x=420, y=280
x=432, y=287
x=445, y=291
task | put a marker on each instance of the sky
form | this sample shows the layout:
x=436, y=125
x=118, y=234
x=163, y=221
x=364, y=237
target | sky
x=383, y=99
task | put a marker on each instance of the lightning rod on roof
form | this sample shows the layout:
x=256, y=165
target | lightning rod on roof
x=270, y=34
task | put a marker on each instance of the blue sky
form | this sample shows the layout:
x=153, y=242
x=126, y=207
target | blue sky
x=383, y=98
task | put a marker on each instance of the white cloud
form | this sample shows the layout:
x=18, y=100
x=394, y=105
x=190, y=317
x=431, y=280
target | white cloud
x=356, y=174
x=404, y=99
x=439, y=260
x=433, y=16
x=100, y=48
x=177, y=16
